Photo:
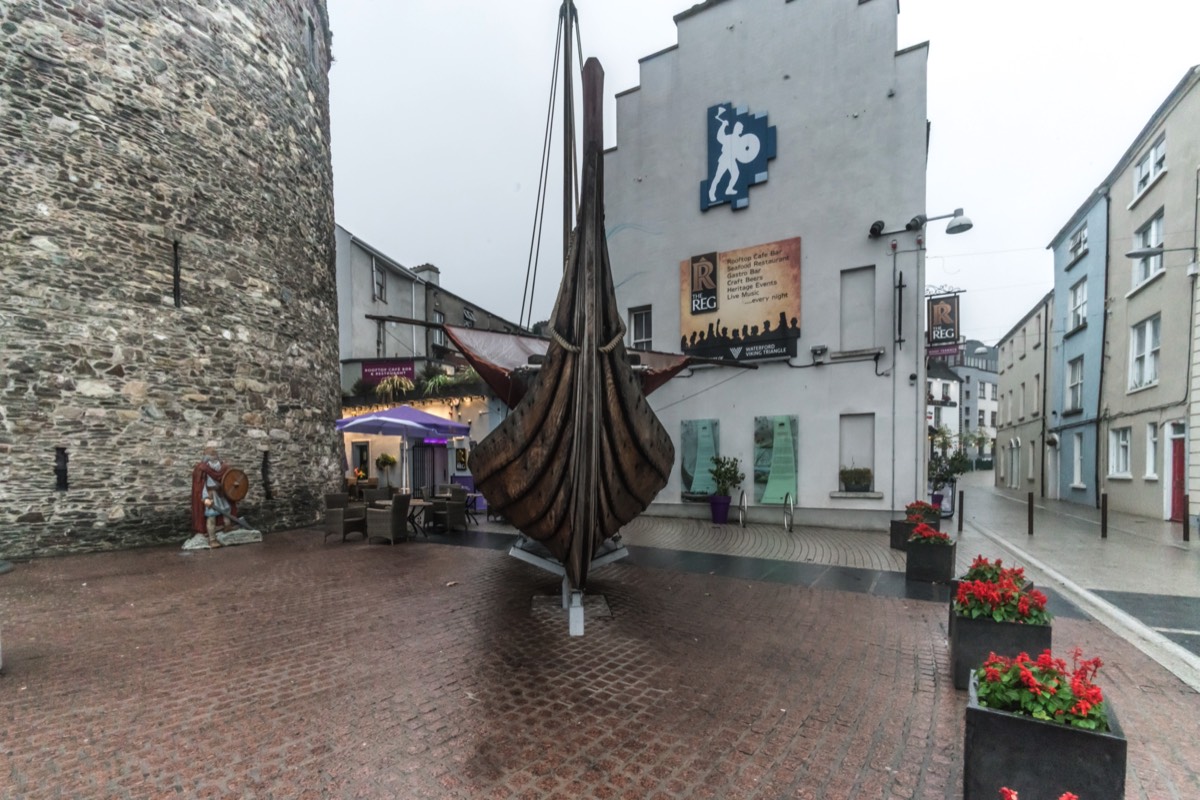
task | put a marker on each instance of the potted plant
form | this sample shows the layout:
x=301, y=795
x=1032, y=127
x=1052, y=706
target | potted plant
x=930, y=555
x=944, y=471
x=1001, y=616
x=982, y=569
x=1034, y=724
x=727, y=475
x=915, y=513
x=855, y=479
x=384, y=464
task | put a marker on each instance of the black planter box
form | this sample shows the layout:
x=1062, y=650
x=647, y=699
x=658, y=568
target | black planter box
x=1040, y=760
x=930, y=563
x=972, y=640
x=899, y=532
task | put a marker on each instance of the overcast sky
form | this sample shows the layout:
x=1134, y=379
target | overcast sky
x=438, y=111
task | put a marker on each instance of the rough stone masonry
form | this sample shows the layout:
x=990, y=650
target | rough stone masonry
x=166, y=265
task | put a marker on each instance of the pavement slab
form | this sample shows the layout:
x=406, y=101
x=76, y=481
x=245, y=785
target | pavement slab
x=296, y=668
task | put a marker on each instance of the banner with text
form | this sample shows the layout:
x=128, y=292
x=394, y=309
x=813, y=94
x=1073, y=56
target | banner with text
x=374, y=371
x=943, y=325
x=741, y=304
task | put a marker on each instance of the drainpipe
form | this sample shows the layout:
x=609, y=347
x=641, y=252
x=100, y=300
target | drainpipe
x=1103, y=342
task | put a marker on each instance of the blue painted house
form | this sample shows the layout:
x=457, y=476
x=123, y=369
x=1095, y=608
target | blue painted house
x=1076, y=341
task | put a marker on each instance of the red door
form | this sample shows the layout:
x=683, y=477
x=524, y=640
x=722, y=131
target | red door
x=1178, y=478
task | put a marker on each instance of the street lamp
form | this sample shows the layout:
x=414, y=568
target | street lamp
x=959, y=223
x=1151, y=252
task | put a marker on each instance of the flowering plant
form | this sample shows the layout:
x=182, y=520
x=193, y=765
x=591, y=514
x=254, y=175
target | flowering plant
x=920, y=511
x=1011, y=794
x=923, y=534
x=1043, y=688
x=360, y=473
x=992, y=571
x=1003, y=599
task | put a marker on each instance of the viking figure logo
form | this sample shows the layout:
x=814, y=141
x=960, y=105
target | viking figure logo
x=739, y=146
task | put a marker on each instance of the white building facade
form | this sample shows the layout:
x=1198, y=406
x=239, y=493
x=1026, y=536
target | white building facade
x=751, y=163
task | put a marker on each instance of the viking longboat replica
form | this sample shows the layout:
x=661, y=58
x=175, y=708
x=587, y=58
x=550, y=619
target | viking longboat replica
x=582, y=453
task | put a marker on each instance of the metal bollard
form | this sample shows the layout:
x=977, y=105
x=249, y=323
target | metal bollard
x=1030, y=512
x=1104, y=515
x=960, y=510
x=1187, y=518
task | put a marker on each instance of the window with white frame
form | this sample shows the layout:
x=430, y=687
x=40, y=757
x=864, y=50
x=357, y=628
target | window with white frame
x=1143, y=353
x=1021, y=403
x=468, y=318
x=1078, y=305
x=1032, y=456
x=982, y=418
x=1152, y=450
x=640, y=328
x=1147, y=236
x=1075, y=384
x=1037, y=391
x=1150, y=165
x=1118, y=451
x=378, y=281
x=439, y=335
x=380, y=349
x=1078, y=242
x=1077, y=459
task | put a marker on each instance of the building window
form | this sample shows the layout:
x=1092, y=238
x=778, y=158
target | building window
x=468, y=318
x=1152, y=450
x=1079, y=242
x=1143, y=353
x=641, y=328
x=1151, y=164
x=992, y=416
x=1032, y=456
x=1037, y=390
x=379, y=343
x=379, y=281
x=982, y=418
x=1149, y=235
x=1118, y=451
x=1078, y=305
x=1075, y=384
x=439, y=335
x=1021, y=403
x=1077, y=459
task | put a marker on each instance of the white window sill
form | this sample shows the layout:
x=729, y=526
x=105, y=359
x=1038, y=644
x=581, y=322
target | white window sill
x=1145, y=283
x=1078, y=486
x=1150, y=478
x=1142, y=388
x=1138, y=197
x=1076, y=259
x=856, y=495
x=1122, y=476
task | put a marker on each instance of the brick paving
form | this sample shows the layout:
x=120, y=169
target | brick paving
x=296, y=669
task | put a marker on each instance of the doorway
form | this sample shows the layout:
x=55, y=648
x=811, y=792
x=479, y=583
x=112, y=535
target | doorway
x=1178, y=474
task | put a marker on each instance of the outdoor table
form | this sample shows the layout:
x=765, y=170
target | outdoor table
x=416, y=512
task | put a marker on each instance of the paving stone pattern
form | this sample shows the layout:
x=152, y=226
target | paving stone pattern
x=297, y=669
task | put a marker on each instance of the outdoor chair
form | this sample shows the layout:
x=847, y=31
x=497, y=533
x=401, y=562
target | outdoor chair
x=449, y=514
x=379, y=525
x=337, y=500
x=400, y=503
x=337, y=522
x=373, y=494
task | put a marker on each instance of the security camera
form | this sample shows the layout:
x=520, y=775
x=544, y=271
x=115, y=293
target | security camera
x=876, y=229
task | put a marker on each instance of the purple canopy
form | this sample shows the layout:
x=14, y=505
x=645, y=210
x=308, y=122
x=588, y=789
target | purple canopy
x=408, y=414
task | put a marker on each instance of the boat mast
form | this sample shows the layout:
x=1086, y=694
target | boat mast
x=568, y=22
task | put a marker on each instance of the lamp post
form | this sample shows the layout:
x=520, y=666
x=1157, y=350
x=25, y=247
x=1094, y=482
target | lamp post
x=959, y=223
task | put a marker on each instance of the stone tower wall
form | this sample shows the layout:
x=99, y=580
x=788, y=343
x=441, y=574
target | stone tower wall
x=166, y=265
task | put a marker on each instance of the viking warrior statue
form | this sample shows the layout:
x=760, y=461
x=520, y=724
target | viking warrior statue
x=216, y=490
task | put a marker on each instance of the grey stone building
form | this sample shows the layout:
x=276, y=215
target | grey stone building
x=166, y=266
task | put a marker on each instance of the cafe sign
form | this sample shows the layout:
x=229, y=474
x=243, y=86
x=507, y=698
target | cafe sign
x=943, y=325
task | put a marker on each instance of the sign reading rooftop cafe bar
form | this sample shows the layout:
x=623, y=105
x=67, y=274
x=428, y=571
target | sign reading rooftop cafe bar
x=374, y=371
x=943, y=325
x=741, y=304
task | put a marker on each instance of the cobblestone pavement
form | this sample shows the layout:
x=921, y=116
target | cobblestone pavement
x=297, y=669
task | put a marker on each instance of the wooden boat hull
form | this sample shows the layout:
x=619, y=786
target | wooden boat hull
x=582, y=454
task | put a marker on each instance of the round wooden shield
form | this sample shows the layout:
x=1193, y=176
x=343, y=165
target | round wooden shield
x=235, y=484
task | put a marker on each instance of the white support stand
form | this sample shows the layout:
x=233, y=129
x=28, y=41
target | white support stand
x=536, y=554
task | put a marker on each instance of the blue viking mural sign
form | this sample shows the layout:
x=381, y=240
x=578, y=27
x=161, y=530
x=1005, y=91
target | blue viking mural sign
x=739, y=146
